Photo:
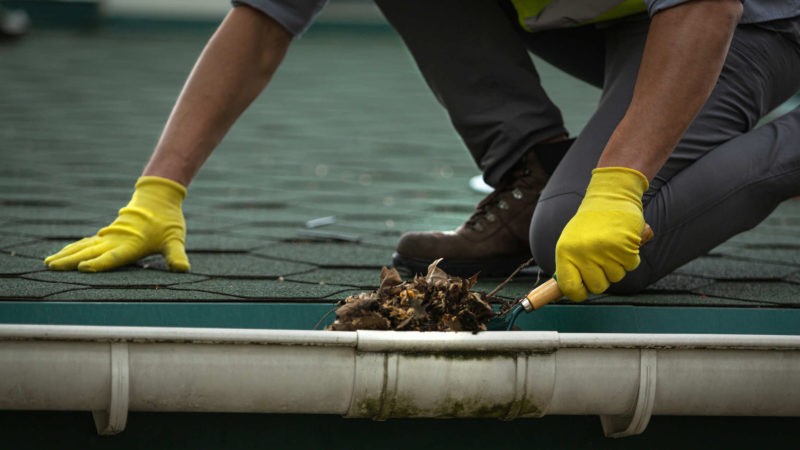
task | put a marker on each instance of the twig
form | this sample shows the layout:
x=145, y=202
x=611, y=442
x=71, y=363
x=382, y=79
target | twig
x=510, y=277
x=324, y=317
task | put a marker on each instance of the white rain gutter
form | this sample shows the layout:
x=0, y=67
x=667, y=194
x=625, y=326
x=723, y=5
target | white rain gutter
x=624, y=378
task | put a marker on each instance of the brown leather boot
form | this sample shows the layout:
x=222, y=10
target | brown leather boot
x=494, y=240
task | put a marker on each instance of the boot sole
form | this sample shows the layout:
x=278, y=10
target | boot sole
x=491, y=268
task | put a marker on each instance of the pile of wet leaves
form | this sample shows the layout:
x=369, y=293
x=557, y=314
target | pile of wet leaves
x=433, y=302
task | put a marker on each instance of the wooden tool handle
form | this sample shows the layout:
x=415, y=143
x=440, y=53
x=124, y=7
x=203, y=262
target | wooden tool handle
x=549, y=291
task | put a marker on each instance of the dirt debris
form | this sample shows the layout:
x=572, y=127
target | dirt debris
x=433, y=302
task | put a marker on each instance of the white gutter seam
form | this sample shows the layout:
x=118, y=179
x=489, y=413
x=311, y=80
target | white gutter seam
x=520, y=386
x=389, y=391
x=541, y=367
x=381, y=375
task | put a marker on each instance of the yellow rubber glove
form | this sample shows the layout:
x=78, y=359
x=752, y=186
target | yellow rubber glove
x=600, y=244
x=151, y=223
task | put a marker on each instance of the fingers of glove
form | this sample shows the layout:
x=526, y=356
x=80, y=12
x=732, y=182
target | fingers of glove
x=175, y=254
x=630, y=260
x=570, y=282
x=594, y=278
x=71, y=249
x=73, y=260
x=614, y=272
x=111, y=259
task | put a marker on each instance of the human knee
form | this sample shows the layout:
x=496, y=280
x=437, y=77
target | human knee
x=385, y=3
x=549, y=219
x=634, y=282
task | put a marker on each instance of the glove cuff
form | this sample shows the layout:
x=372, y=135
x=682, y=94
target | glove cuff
x=171, y=190
x=616, y=179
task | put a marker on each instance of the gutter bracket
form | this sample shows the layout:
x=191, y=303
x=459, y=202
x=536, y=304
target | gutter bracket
x=623, y=426
x=113, y=420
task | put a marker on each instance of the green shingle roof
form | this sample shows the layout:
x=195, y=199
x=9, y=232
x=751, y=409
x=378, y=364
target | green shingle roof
x=347, y=129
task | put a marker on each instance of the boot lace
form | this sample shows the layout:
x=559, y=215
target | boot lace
x=483, y=211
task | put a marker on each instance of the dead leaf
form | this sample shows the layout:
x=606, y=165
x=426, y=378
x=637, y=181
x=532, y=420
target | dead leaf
x=390, y=278
x=435, y=302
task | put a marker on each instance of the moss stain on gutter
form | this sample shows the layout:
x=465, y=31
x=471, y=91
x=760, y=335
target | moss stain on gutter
x=403, y=407
x=448, y=408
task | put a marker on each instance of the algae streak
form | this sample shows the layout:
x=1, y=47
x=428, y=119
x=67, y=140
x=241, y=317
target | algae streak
x=402, y=407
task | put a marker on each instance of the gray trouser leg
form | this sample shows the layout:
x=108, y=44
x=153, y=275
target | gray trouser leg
x=723, y=178
x=474, y=61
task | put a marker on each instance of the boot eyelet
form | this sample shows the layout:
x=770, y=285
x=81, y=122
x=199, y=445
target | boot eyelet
x=491, y=217
x=478, y=227
x=502, y=204
x=517, y=194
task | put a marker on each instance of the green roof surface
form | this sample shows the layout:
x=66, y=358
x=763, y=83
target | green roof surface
x=347, y=130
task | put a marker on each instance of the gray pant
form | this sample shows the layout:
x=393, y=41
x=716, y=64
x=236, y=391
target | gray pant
x=724, y=177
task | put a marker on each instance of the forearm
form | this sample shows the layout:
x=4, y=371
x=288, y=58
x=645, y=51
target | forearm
x=683, y=57
x=233, y=69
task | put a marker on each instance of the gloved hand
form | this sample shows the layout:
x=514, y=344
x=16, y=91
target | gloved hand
x=600, y=244
x=151, y=223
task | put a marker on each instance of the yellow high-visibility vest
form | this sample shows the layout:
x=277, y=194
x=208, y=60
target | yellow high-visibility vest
x=538, y=15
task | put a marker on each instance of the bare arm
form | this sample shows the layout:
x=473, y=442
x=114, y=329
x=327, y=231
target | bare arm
x=235, y=66
x=683, y=56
